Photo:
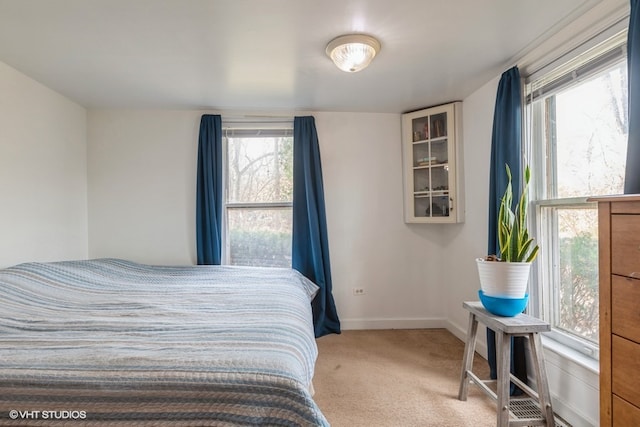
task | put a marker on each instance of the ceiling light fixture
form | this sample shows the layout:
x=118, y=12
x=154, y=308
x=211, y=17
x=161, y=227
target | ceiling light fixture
x=352, y=52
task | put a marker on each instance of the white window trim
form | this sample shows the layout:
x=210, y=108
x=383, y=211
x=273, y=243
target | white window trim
x=236, y=127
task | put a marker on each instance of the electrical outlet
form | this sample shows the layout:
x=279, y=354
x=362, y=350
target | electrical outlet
x=358, y=291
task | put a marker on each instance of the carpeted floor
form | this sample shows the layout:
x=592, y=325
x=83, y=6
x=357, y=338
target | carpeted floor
x=398, y=378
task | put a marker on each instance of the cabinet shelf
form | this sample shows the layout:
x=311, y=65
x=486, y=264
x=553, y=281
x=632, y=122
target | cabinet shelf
x=433, y=141
x=431, y=145
x=425, y=194
x=435, y=165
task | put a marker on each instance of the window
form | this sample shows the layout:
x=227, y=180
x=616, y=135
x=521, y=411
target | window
x=577, y=118
x=259, y=195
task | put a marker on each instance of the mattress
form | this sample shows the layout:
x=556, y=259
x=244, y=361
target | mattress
x=111, y=342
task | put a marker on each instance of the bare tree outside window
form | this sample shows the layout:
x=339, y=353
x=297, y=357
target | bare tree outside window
x=259, y=198
x=591, y=135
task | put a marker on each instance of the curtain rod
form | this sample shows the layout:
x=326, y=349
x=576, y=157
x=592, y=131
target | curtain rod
x=259, y=119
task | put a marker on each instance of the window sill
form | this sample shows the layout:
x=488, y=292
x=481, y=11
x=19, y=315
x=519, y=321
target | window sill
x=567, y=353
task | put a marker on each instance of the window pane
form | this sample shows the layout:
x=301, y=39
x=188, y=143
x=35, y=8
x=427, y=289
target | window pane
x=590, y=135
x=575, y=288
x=260, y=237
x=578, y=124
x=260, y=169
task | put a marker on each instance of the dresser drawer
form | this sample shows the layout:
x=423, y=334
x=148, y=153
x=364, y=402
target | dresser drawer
x=628, y=207
x=624, y=413
x=625, y=307
x=625, y=363
x=625, y=244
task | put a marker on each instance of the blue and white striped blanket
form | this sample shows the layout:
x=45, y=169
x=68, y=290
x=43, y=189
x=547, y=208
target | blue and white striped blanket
x=110, y=342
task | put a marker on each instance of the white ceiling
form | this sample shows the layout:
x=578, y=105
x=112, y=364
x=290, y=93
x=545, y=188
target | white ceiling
x=269, y=54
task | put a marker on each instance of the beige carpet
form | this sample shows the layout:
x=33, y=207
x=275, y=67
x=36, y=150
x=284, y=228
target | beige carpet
x=398, y=378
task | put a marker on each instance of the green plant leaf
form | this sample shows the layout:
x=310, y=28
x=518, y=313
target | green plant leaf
x=524, y=249
x=534, y=254
x=513, y=235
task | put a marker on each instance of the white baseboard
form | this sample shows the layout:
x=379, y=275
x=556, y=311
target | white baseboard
x=457, y=331
x=461, y=334
x=394, y=323
x=568, y=414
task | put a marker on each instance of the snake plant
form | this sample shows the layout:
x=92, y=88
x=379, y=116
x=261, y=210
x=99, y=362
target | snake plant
x=513, y=236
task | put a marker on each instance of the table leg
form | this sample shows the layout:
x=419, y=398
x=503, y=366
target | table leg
x=503, y=361
x=467, y=361
x=541, y=378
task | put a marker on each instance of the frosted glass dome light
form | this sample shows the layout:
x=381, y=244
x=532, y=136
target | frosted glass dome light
x=353, y=52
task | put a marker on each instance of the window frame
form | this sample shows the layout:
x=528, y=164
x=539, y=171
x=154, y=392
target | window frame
x=603, y=55
x=247, y=129
x=545, y=277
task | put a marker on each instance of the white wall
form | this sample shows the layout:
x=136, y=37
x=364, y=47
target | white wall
x=142, y=167
x=142, y=175
x=371, y=247
x=43, y=173
x=464, y=243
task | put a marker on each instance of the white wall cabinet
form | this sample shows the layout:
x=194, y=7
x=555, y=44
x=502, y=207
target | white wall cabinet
x=432, y=164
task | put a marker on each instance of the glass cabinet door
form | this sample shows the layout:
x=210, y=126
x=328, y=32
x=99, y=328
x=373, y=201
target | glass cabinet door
x=428, y=153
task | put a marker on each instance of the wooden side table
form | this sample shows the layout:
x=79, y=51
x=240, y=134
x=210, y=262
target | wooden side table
x=505, y=328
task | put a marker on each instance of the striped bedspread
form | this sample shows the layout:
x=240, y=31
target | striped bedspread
x=109, y=342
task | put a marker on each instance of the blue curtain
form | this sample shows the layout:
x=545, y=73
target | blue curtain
x=506, y=143
x=310, y=245
x=632, y=172
x=209, y=191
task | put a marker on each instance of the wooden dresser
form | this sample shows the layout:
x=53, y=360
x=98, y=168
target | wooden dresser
x=619, y=276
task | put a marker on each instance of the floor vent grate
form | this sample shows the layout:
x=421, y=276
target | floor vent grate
x=528, y=408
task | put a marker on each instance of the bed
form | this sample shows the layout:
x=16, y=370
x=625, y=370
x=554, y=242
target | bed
x=111, y=342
